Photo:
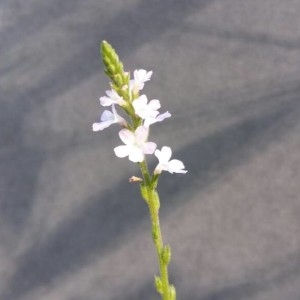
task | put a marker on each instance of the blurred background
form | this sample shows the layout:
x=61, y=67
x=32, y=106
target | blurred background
x=73, y=228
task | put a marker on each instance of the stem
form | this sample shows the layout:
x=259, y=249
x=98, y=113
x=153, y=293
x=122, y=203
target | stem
x=145, y=172
x=163, y=252
x=158, y=242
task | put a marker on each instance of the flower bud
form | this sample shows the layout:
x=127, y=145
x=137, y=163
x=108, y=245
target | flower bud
x=113, y=66
x=118, y=80
x=166, y=254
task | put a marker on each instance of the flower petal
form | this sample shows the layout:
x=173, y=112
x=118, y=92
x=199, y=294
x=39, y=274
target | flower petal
x=121, y=151
x=136, y=155
x=118, y=118
x=163, y=116
x=101, y=126
x=112, y=94
x=141, y=101
x=166, y=154
x=158, y=169
x=127, y=137
x=140, y=106
x=105, y=101
x=154, y=104
x=142, y=75
x=115, y=97
x=149, y=121
x=107, y=116
x=112, y=98
x=133, y=87
x=176, y=166
x=149, y=148
x=141, y=134
x=157, y=153
x=148, y=76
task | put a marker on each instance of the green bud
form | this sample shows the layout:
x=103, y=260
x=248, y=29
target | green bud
x=112, y=70
x=124, y=94
x=107, y=73
x=107, y=51
x=118, y=80
x=166, y=254
x=106, y=61
x=120, y=67
x=126, y=77
x=158, y=284
x=172, y=292
x=113, y=65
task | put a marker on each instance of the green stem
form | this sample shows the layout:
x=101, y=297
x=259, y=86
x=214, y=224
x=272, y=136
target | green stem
x=157, y=239
x=163, y=252
x=145, y=172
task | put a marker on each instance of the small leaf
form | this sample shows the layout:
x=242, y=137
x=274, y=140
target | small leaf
x=158, y=284
x=172, y=292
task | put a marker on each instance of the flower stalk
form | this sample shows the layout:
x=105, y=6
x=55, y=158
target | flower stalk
x=150, y=195
x=125, y=94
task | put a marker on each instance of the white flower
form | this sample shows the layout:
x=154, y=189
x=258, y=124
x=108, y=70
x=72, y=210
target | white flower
x=144, y=109
x=149, y=111
x=140, y=77
x=136, y=144
x=108, y=118
x=165, y=164
x=112, y=98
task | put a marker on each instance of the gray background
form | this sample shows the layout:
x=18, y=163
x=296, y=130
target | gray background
x=72, y=227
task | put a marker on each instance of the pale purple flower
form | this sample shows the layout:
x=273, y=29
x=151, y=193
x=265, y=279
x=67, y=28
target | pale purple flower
x=165, y=164
x=149, y=111
x=112, y=98
x=139, y=79
x=108, y=118
x=136, y=145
